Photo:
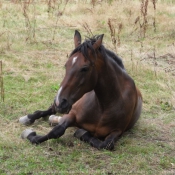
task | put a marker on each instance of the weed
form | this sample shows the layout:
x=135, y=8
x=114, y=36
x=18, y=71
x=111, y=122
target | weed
x=93, y=3
x=55, y=87
x=154, y=22
x=1, y=82
x=112, y=32
x=143, y=10
x=88, y=30
x=166, y=106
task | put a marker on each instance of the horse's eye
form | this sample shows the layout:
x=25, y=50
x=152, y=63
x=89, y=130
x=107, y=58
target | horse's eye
x=84, y=69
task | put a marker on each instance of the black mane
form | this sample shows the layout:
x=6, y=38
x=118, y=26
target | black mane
x=88, y=44
x=116, y=58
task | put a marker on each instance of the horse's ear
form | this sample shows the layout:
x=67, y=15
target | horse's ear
x=98, y=43
x=77, y=38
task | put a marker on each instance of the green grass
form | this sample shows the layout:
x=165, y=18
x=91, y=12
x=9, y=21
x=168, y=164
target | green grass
x=33, y=68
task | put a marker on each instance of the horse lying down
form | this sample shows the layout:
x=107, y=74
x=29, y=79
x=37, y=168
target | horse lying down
x=96, y=95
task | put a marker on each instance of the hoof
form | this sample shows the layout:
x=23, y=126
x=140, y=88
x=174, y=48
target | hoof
x=79, y=133
x=25, y=120
x=54, y=120
x=26, y=133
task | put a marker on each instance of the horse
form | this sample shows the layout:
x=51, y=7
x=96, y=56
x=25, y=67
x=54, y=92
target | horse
x=96, y=95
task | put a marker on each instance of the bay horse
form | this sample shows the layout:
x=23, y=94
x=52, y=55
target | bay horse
x=96, y=95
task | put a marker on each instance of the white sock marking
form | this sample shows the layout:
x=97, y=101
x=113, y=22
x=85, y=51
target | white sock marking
x=24, y=120
x=53, y=119
x=25, y=133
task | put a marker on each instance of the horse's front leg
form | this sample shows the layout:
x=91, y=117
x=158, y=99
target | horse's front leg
x=56, y=132
x=30, y=118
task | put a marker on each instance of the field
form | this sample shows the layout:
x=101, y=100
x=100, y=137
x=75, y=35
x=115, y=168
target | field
x=36, y=38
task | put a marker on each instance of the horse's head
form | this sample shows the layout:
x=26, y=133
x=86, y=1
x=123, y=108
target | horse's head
x=81, y=73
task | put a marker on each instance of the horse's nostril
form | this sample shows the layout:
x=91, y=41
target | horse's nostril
x=64, y=103
x=63, y=107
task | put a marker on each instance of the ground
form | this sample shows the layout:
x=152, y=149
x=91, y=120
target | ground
x=35, y=41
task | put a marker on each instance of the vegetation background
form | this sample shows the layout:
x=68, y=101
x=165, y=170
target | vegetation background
x=36, y=37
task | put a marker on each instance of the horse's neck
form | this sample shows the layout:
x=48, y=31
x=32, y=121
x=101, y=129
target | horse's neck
x=109, y=85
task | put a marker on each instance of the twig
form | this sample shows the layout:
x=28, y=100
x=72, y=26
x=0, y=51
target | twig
x=1, y=83
x=54, y=32
x=132, y=59
x=87, y=28
x=155, y=62
x=120, y=26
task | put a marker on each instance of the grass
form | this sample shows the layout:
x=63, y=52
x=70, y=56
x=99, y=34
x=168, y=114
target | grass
x=33, y=56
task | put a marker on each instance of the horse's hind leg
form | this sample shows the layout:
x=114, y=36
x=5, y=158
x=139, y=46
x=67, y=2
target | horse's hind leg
x=30, y=118
x=108, y=143
x=110, y=140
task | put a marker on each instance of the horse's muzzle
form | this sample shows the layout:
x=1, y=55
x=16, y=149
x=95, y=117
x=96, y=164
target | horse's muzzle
x=64, y=107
